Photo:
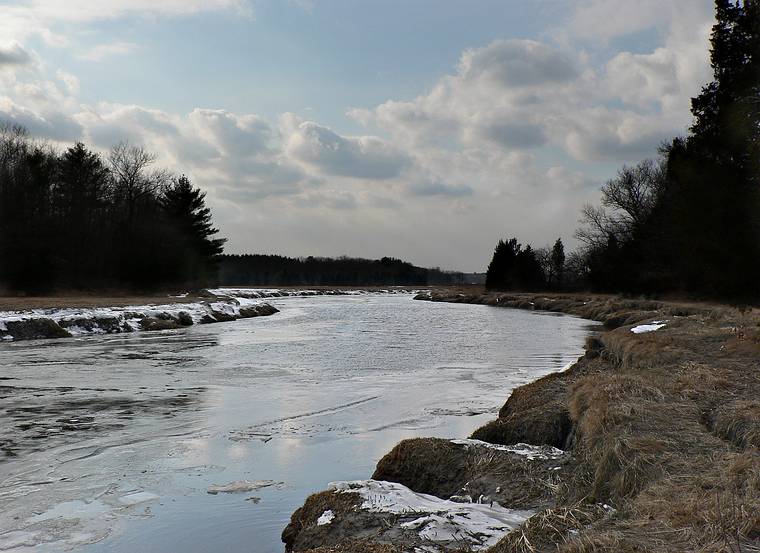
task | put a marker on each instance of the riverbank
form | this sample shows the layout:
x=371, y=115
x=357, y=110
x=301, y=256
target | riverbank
x=27, y=318
x=657, y=429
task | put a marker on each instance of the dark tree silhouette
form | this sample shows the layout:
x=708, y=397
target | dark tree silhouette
x=514, y=268
x=557, y=264
x=196, y=250
x=690, y=221
x=277, y=270
x=73, y=221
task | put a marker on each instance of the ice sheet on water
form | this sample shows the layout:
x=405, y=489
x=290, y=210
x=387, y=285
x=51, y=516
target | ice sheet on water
x=137, y=497
x=240, y=486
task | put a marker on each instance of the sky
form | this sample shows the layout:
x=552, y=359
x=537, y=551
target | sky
x=419, y=129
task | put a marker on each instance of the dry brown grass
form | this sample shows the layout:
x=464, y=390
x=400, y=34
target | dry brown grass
x=303, y=521
x=663, y=426
x=739, y=422
x=549, y=528
x=361, y=546
x=439, y=467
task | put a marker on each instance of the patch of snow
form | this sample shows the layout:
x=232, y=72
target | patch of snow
x=477, y=526
x=654, y=325
x=531, y=452
x=123, y=319
x=326, y=518
x=260, y=293
x=239, y=486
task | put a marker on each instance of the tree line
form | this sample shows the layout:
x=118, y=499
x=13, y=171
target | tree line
x=278, y=270
x=687, y=221
x=79, y=220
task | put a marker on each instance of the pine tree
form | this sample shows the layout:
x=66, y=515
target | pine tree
x=558, y=263
x=500, y=273
x=190, y=224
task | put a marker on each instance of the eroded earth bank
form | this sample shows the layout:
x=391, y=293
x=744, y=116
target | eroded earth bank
x=649, y=442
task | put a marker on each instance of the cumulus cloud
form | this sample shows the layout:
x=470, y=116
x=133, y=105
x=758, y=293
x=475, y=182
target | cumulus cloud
x=511, y=140
x=49, y=124
x=516, y=63
x=362, y=157
x=235, y=135
x=524, y=94
x=14, y=54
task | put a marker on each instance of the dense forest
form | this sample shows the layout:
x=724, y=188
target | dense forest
x=278, y=270
x=687, y=222
x=76, y=220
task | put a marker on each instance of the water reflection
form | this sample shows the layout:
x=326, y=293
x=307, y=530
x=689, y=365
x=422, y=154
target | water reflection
x=118, y=438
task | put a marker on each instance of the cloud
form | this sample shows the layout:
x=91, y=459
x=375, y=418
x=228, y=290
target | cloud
x=362, y=157
x=510, y=141
x=71, y=82
x=526, y=95
x=41, y=17
x=437, y=188
x=104, y=51
x=513, y=134
x=235, y=135
x=51, y=124
x=607, y=19
x=516, y=63
x=14, y=54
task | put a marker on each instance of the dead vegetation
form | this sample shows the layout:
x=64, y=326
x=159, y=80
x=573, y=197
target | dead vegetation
x=304, y=533
x=471, y=473
x=662, y=427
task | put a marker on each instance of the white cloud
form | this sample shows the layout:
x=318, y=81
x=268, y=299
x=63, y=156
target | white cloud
x=104, y=51
x=40, y=17
x=13, y=54
x=516, y=63
x=71, y=82
x=509, y=142
x=362, y=157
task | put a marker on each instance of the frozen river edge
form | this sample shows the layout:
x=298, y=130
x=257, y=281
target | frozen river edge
x=212, y=306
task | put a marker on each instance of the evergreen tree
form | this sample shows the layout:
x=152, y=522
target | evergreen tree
x=190, y=222
x=529, y=275
x=71, y=221
x=79, y=201
x=558, y=263
x=500, y=273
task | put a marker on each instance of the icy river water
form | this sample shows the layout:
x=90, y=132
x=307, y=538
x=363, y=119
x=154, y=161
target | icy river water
x=111, y=443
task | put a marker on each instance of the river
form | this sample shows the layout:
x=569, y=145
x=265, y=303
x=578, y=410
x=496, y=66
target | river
x=111, y=443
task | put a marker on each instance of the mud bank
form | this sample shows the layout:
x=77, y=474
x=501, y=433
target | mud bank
x=649, y=442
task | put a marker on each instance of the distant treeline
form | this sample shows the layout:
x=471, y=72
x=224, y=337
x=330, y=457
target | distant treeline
x=277, y=270
x=78, y=220
x=689, y=221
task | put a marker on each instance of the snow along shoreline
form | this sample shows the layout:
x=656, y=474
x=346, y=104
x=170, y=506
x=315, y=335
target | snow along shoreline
x=219, y=305
x=68, y=322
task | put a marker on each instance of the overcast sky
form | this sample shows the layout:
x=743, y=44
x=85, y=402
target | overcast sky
x=420, y=129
